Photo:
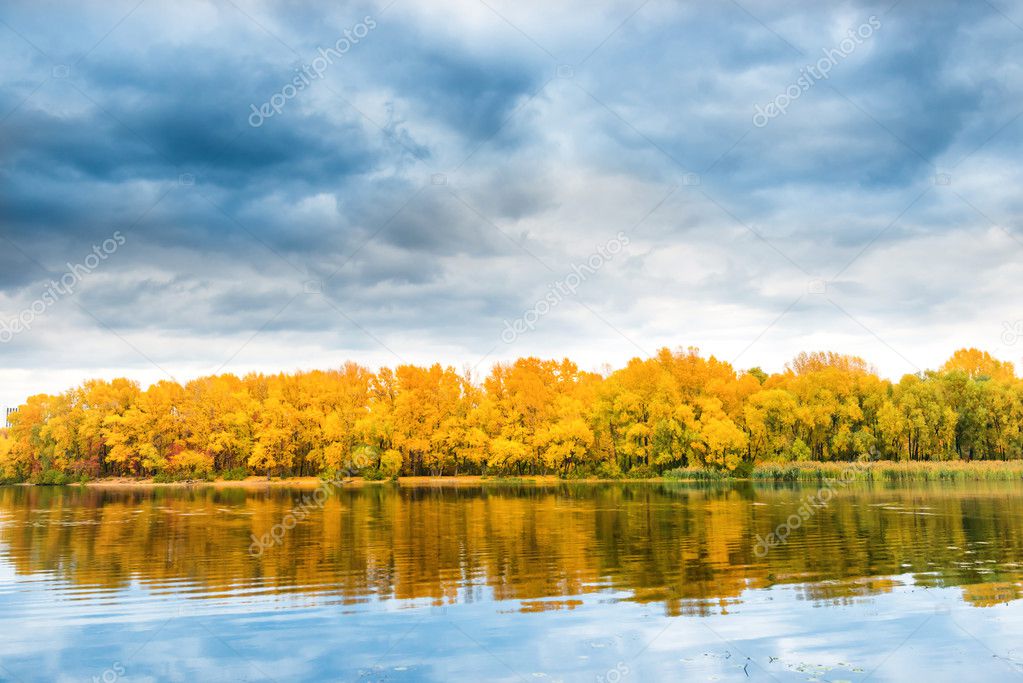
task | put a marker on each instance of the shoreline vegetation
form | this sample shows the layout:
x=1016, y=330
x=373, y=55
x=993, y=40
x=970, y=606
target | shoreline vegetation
x=875, y=471
x=674, y=416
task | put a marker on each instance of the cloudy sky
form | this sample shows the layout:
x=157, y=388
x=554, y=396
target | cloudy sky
x=242, y=185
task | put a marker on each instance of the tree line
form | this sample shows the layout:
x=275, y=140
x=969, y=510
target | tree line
x=530, y=416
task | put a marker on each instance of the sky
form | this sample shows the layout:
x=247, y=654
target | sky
x=237, y=186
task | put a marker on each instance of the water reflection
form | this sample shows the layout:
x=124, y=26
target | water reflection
x=687, y=549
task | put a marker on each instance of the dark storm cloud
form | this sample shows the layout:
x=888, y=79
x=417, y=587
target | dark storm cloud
x=465, y=94
x=444, y=172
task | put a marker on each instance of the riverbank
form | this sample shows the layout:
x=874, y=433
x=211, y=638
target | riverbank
x=807, y=471
x=886, y=470
x=313, y=482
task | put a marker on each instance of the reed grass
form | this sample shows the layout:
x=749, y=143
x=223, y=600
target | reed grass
x=882, y=470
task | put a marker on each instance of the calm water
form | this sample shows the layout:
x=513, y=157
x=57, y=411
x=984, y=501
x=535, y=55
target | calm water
x=640, y=582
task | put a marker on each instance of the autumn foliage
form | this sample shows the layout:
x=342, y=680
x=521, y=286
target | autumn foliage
x=530, y=416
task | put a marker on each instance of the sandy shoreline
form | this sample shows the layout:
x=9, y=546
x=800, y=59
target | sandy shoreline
x=313, y=482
